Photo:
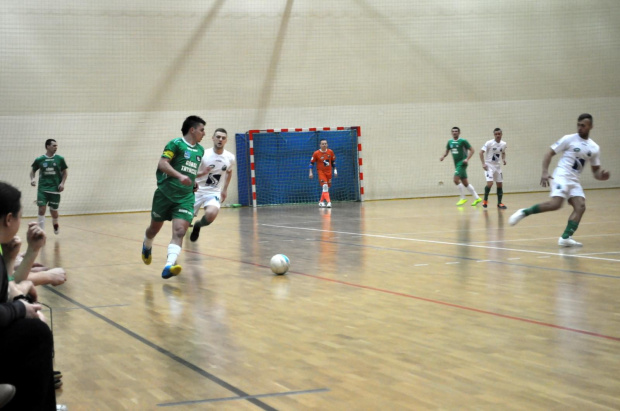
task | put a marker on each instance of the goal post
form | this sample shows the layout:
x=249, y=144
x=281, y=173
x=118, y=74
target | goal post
x=273, y=165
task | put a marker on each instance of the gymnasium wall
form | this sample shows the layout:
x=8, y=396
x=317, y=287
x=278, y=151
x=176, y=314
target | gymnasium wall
x=112, y=82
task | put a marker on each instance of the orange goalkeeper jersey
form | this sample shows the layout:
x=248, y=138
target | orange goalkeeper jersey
x=323, y=161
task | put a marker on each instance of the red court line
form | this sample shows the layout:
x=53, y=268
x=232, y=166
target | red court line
x=381, y=290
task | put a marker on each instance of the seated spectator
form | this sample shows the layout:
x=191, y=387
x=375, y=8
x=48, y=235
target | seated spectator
x=26, y=343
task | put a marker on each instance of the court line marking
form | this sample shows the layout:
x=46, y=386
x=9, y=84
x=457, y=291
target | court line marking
x=166, y=353
x=275, y=394
x=463, y=307
x=543, y=238
x=526, y=320
x=442, y=242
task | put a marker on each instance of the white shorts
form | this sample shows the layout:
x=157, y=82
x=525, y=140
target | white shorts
x=205, y=200
x=493, y=173
x=566, y=188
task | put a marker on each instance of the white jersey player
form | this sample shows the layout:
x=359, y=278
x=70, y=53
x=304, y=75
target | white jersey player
x=576, y=150
x=492, y=155
x=214, y=175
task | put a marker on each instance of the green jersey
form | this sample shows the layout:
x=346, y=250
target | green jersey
x=459, y=149
x=50, y=172
x=185, y=159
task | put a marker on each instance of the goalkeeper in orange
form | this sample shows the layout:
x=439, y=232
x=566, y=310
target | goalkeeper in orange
x=325, y=160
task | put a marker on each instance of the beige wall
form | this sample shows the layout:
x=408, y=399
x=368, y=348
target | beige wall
x=113, y=81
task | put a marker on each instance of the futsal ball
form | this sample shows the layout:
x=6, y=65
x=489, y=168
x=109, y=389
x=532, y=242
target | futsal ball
x=280, y=264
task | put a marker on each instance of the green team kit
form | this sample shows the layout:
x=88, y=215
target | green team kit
x=50, y=176
x=173, y=199
x=459, y=149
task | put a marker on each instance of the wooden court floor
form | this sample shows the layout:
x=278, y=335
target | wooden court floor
x=388, y=305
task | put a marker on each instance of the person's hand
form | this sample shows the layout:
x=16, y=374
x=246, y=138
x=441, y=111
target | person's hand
x=441, y=158
x=544, y=179
x=485, y=167
x=33, y=183
x=310, y=175
x=603, y=175
x=61, y=187
x=35, y=236
x=504, y=162
x=11, y=249
x=465, y=161
x=31, y=309
x=185, y=180
x=223, y=195
x=335, y=173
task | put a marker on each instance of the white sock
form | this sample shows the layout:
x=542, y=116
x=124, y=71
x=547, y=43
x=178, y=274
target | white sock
x=472, y=191
x=173, y=253
x=461, y=188
x=41, y=221
x=54, y=221
x=148, y=242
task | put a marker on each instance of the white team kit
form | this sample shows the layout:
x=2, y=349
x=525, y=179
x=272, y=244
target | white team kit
x=492, y=157
x=210, y=185
x=575, y=152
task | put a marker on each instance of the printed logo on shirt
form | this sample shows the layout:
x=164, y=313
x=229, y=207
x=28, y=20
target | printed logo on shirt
x=187, y=155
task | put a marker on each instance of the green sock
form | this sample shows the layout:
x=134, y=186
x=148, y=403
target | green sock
x=571, y=227
x=532, y=210
x=500, y=194
x=203, y=222
x=487, y=190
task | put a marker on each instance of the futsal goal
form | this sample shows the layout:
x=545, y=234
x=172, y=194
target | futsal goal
x=273, y=164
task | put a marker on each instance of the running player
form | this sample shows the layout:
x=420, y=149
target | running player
x=461, y=153
x=490, y=154
x=213, y=177
x=52, y=170
x=325, y=160
x=576, y=149
x=174, y=196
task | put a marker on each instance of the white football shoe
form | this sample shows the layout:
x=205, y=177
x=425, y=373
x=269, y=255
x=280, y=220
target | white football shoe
x=568, y=242
x=321, y=204
x=516, y=217
x=329, y=205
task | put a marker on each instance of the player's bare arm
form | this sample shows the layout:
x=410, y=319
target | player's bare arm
x=484, y=165
x=444, y=156
x=471, y=152
x=544, y=179
x=61, y=186
x=599, y=173
x=224, y=192
x=165, y=167
x=32, y=180
x=504, y=156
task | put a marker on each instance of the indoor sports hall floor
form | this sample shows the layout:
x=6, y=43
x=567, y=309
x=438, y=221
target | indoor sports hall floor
x=393, y=305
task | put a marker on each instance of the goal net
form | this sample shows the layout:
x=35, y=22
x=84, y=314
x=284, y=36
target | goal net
x=273, y=165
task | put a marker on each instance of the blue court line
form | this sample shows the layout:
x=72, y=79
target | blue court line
x=168, y=354
x=275, y=394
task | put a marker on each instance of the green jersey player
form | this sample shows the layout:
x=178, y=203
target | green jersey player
x=461, y=153
x=174, y=196
x=52, y=170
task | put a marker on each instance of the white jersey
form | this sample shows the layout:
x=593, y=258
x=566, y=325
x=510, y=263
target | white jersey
x=575, y=152
x=218, y=165
x=493, y=151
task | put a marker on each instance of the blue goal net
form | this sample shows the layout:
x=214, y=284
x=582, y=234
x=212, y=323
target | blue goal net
x=281, y=160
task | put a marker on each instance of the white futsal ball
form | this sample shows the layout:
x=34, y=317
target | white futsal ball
x=280, y=264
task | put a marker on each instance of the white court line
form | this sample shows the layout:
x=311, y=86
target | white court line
x=443, y=243
x=606, y=252
x=543, y=238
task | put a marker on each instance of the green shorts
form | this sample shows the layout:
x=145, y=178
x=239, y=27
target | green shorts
x=44, y=199
x=461, y=170
x=165, y=209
